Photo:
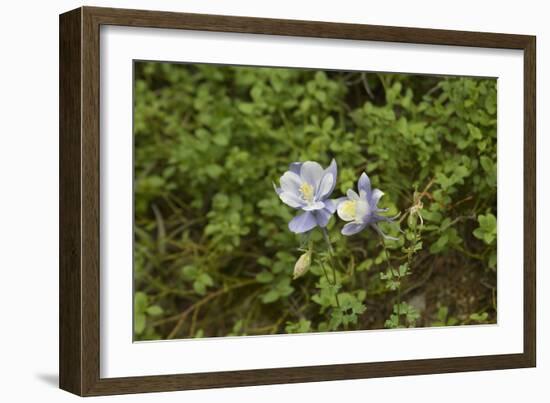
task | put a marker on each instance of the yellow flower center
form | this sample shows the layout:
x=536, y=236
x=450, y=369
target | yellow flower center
x=306, y=190
x=349, y=209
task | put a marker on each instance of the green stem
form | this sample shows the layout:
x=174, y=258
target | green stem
x=331, y=257
x=399, y=276
x=325, y=273
x=327, y=239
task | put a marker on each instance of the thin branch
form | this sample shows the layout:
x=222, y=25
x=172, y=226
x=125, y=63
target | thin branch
x=182, y=316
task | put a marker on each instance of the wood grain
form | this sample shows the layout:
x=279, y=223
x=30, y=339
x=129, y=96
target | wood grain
x=530, y=202
x=70, y=271
x=80, y=200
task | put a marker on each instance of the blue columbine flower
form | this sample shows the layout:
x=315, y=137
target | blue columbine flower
x=307, y=186
x=361, y=210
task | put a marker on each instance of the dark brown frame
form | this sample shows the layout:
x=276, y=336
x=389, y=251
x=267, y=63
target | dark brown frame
x=79, y=201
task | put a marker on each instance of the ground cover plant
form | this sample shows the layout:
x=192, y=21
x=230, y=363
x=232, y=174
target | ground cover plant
x=220, y=248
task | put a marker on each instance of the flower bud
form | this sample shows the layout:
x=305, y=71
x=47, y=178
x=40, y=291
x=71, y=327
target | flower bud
x=414, y=214
x=302, y=265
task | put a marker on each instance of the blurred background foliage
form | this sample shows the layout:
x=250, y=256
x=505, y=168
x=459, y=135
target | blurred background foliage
x=213, y=255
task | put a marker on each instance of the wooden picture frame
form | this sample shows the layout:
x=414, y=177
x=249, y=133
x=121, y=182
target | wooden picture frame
x=79, y=201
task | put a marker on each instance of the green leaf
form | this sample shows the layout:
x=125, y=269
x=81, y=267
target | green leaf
x=205, y=279
x=264, y=261
x=154, y=310
x=270, y=296
x=475, y=133
x=190, y=272
x=214, y=171
x=302, y=326
x=442, y=313
x=199, y=287
x=479, y=317
x=364, y=265
x=328, y=124
x=487, y=230
x=221, y=139
x=392, y=322
x=140, y=302
x=246, y=108
x=487, y=164
x=440, y=244
x=139, y=323
x=264, y=277
x=403, y=270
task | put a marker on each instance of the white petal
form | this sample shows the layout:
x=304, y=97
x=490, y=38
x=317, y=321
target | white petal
x=325, y=186
x=332, y=169
x=362, y=211
x=314, y=206
x=352, y=195
x=346, y=210
x=375, y=197
x=312, y=173
x=290, y=182
x=290, y=199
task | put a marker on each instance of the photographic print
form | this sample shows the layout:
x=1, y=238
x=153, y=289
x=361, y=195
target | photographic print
x=273, y=200
x=291, y=201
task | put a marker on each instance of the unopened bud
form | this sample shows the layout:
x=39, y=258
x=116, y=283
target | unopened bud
x=302, y=265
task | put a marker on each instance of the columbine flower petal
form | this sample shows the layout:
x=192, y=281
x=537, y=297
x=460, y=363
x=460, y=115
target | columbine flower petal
x=314, y=206
x=312, y=173
x=322, y=217
x=362, y=210
x=307, y=186
x=332, y=204
x=278, y=190
x=290, y=199
x=333, y=170
x=302, y=223
x=295, y=167
x=375, y=197
x=352, y=195
x=325, y=186
x=291, y=182
x=352, y=228
x=347, y=210
x=363, y=184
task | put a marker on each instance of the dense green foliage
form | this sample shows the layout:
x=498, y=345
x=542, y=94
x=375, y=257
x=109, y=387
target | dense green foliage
x=213, y=254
